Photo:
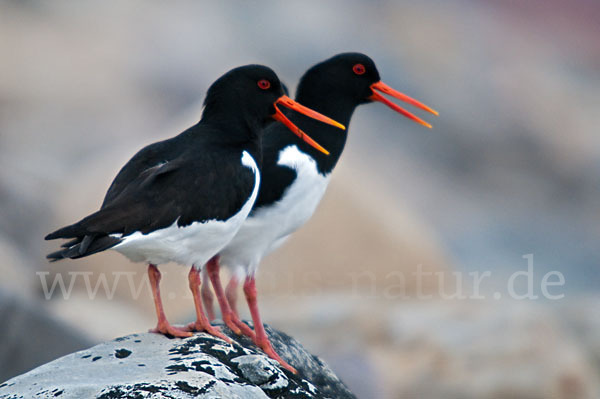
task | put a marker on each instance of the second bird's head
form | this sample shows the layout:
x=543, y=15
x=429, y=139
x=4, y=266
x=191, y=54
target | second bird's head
x=350, y=79
x=251, y=95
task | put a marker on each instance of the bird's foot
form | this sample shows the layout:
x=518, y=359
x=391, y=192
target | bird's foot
x=167, y=329
x=209, y=329
x=233, y=326
x=238, y=326
x=266, y=346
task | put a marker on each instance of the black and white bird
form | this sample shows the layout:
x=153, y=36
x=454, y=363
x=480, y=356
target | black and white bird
x=183, y=199
x=295, y=176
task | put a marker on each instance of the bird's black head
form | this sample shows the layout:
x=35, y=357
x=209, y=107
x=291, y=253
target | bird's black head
x=345, y=81
x=346, y=75
x=247, y=93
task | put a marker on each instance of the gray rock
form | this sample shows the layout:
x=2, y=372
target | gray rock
x=259, y=371
x=153, y=366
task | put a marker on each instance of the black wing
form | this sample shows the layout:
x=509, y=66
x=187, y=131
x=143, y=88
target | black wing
x=148, y=157
x=151, y=158
x=190, y=188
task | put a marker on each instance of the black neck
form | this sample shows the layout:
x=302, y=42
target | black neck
x=333, y=139
x=231, y=131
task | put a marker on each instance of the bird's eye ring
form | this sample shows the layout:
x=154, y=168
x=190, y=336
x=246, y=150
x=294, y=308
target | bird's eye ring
x=264, y=84
x=359, y=69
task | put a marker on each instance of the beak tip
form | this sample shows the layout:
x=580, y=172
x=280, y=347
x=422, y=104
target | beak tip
x=396, y=94
x=337, y=124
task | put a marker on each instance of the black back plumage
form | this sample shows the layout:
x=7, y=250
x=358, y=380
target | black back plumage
x=333, y=89
x=193, y=177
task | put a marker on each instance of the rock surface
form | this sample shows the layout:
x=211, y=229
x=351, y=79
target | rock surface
x=153, y=366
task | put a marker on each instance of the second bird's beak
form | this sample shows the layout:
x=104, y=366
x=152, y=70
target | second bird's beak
x=289, y=103
x=382, y=87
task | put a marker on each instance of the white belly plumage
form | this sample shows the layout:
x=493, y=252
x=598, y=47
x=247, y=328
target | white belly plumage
x=269, y=226
x=194, y=244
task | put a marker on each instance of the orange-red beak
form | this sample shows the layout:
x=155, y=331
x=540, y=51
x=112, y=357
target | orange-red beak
x=382, y=87
x=289, y=103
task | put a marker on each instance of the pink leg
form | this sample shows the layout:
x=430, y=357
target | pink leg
x=201, y=323
x=261, y=340
x=229, y=318
x=231, y=292
x=163, y=326
x=207, y=298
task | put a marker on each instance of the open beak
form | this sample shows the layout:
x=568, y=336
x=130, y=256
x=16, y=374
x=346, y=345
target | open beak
x=289, y=103
x=382, y=87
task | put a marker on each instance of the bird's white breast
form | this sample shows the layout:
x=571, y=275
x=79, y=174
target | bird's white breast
x=268, y=226
x=193, y=244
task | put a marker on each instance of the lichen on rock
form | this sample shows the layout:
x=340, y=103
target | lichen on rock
x=153, y=366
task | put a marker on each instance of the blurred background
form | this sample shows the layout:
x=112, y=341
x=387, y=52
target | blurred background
x=380, y=282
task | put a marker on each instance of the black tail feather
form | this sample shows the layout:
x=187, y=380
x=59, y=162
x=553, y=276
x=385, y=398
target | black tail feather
x=72, y=231
x=84, y=246
x=71, y=242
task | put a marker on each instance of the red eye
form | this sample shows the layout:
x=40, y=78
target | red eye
x=264, y=84
x=359, y=69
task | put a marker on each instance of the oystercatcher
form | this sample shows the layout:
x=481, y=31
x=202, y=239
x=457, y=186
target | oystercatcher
x=295, y=176
x=183, y=199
